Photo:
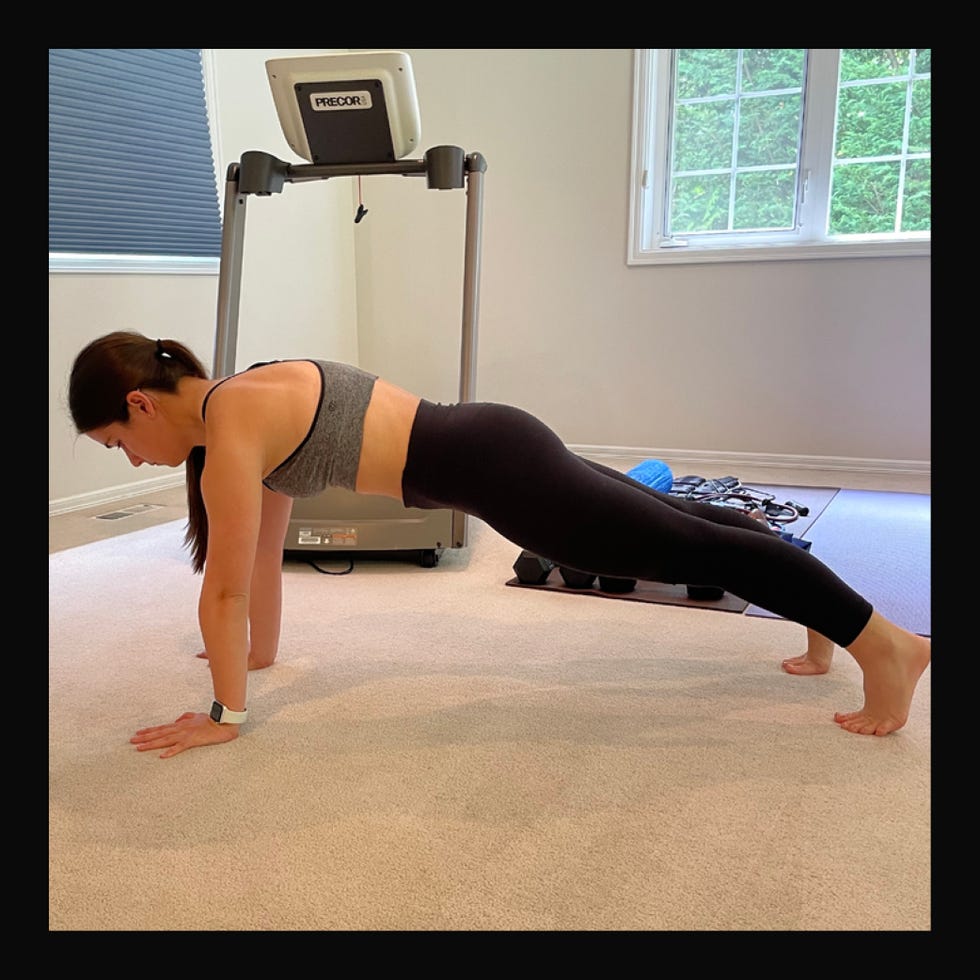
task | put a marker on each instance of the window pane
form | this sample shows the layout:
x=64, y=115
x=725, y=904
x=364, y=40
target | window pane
x=772, y=68
x=769, y=131
x=704, y=72
x=860, y=64
x=871, y=120
x=864, y=199
x=917, y=200
x=884, y=116
x=700, y=203
x=703, y=136
x=920, y=123
x=765, y=199
x=751, y=98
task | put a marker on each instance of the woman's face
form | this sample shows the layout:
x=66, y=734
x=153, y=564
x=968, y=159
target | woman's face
x=146, y=438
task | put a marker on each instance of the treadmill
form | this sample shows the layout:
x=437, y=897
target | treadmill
x=353, y=114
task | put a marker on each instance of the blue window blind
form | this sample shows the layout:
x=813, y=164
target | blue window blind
x=130, y=166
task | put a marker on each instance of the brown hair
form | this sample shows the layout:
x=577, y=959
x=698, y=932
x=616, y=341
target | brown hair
x=104, y=373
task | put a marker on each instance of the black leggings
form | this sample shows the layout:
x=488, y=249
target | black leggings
x=507, y=468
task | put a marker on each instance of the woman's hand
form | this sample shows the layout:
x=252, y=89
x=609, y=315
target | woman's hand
x=187, y=732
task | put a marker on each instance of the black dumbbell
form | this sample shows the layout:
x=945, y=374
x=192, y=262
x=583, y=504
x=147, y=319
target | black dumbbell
x=616, y=585
x=532, y=569
x=705, y=592
x=575, y=579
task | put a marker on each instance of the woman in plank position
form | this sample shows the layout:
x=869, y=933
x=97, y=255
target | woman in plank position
x=287, y=429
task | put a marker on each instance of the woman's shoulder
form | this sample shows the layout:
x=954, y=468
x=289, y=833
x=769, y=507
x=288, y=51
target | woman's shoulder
x=273, y=376
x=263, y=404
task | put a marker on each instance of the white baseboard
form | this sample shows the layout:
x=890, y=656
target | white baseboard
x=83, y=501
x=708, y=461
x=711, y=460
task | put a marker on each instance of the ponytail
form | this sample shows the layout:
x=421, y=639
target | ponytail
x=196, y=535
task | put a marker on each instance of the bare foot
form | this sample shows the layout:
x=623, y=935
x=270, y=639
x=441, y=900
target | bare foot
x=816, y=660
x=892, y=660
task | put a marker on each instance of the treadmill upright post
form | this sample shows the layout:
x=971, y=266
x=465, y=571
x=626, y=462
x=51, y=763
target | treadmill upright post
x=475, y=168
x=229, y=276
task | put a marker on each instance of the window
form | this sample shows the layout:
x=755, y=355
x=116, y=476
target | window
x=780, y=153
x=131, y=181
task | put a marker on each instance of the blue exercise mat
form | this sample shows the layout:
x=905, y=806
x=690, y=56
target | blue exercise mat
x=879, y=542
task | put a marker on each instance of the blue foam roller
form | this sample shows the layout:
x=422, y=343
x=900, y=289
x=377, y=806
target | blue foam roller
x=654, y=473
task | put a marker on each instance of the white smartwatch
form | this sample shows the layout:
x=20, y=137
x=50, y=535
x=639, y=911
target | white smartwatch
x=225, y=716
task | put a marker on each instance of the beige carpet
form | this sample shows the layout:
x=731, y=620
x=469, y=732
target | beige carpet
x=437, y=751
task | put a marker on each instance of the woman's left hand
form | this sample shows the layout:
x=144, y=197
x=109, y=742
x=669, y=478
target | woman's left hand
x=188, y=732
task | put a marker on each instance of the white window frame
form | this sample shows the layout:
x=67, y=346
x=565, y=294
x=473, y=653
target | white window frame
x=159, y=265
x=648, y=183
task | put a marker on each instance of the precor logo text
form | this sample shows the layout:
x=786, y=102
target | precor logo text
x=332, y=101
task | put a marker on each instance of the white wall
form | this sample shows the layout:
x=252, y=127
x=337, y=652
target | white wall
x=297, y=297
x=822, y=358
x=825, y=357
x=81, y=308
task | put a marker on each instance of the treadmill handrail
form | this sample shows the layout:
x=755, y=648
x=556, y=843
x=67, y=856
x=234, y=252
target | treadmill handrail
x=446, y=167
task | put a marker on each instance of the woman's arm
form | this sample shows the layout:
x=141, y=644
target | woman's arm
x=232, y=488
x=231, y=485
x=265, y=601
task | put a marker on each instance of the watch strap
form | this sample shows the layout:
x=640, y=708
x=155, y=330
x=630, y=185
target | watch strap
x=225, y=716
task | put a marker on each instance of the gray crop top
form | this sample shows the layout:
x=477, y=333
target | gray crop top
x=329, y=454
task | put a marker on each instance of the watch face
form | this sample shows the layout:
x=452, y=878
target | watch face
x=216, y=710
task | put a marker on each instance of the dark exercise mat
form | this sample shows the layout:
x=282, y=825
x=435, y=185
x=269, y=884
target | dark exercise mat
x=665, y=595
x=879, y=542
x=816, y=499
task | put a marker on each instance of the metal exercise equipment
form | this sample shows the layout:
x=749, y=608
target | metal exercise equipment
x=353, y=114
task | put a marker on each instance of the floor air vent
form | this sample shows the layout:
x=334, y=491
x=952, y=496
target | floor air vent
x=116, y=515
